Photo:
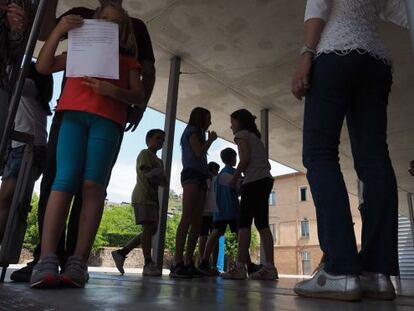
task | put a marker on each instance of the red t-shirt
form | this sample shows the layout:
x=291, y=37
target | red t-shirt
x=79, y=97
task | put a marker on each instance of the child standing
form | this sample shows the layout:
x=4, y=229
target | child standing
x=150, y=175
x=193, y=179
x=226, y=213
x=209, y=207
x=94, y=116
x=256, y=188
x=31, y=118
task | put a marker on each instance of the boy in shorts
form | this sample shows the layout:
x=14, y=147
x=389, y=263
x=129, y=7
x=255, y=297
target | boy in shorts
x=150, y=175
x=209, y=207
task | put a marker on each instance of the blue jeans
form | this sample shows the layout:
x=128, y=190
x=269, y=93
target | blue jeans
x=355, y=87
x=86, y=149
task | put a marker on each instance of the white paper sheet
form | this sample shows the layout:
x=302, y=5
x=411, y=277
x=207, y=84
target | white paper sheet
x=93, y=50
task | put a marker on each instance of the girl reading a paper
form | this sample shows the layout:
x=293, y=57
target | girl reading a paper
x=94, y=115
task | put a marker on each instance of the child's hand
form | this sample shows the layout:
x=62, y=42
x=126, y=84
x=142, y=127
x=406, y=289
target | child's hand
x=16, y=18
x=100, y=87
x=67, y=23
x=212, y=136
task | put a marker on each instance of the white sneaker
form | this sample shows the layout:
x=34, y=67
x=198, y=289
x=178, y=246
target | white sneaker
x=151, y=269
x=236, y=272
x=119, y=261
x=265, y=273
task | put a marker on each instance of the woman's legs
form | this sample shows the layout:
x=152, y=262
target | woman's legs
x=243, y=246
x=325, y=109
x=367, y=124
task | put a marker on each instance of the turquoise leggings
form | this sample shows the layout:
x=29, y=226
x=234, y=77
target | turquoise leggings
x=86, y=149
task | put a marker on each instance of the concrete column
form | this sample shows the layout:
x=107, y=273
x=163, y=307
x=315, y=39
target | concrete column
x=167, y=153
x=410, y=13
x=264, y=130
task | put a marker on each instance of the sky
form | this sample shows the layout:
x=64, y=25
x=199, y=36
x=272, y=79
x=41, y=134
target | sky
x=123, y=174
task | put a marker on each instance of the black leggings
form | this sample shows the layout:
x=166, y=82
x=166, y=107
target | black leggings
x=255, y=204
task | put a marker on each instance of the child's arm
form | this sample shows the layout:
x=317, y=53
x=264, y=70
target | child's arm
x=244, y=154
x=47, y=62
x=133, y=96
x=200, y=148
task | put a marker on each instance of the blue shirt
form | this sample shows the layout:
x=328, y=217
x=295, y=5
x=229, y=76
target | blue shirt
x=188, y=157
x=227, y=198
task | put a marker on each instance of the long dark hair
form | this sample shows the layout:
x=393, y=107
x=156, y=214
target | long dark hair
x=246, y=121
x=44, y=86
x=198, y=119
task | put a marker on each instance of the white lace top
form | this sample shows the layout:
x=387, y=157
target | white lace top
x=353, y=24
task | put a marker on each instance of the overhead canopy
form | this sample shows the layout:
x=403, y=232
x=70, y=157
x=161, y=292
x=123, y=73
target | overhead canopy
x=242, y=53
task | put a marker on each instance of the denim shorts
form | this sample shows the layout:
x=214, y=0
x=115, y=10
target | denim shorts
x=194, y=177
x=15, y=158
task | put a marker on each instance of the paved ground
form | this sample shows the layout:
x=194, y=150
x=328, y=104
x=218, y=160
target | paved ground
x=109, y=291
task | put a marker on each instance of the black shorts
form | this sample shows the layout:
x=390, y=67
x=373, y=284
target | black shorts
x=254, y=204
x=207, y=225
x=221, y=225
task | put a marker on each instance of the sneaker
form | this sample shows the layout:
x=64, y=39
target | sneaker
x=119, y=260
x=328, y=286
x=45, y=273
x=150, y=269
x=194, y=272
x=236, y=272
x=76, y=273
x=265, y=273
x=23, y=274
x=252, y=268
x=377, y=286
x=180, y=271
x=208, y=270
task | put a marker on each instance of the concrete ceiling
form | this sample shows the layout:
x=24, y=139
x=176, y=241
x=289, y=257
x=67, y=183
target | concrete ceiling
x=242, y=53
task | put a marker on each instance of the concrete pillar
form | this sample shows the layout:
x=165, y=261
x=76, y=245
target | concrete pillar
x=264, y=130
x=167, y=153
x=410, y=13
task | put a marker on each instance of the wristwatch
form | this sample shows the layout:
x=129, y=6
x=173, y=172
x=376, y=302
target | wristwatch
x=306, y=49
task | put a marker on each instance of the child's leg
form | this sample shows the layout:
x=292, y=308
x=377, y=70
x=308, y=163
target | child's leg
x=202, y=242
x=211, y=244
x=215, y=253
x=247, y=204
x=243, y=245
x=133, y=243
x=261, y=218
x=102, y=146
x=149, y=229
x=6, y=195
x=70, y=155
x=196, y=222
x=93, y=195
x=190, y=200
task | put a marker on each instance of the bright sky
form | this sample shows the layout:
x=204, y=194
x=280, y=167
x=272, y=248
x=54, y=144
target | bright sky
x=123, y=175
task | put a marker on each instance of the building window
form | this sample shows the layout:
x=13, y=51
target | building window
x=306, y=263
x=303, y=194
x=273, y=231
x=272, y=198
x=304, y=228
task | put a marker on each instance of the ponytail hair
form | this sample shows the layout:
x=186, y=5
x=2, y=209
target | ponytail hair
x=246, y=121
